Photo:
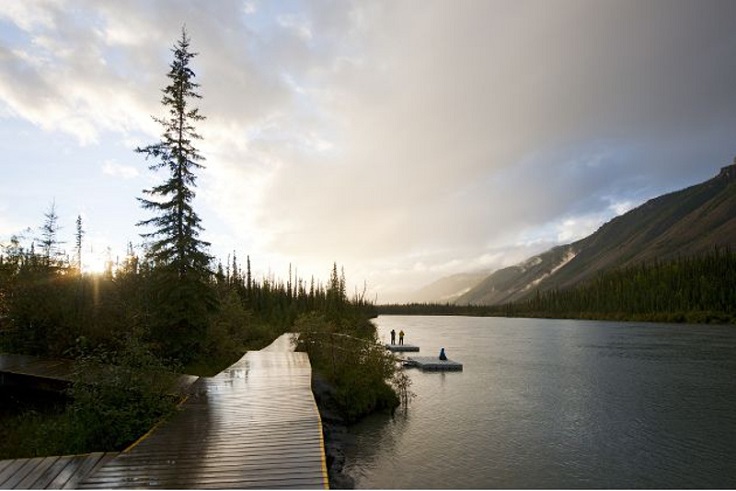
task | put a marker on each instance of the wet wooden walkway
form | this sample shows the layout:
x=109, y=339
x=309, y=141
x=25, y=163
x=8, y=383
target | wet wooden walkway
x=254, y=425
x=40, y=373
x=30, y=370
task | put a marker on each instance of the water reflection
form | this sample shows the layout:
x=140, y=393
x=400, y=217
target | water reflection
x=558, y=404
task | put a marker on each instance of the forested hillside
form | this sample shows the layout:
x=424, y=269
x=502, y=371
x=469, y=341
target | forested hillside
x=688, y=222
x=688, y=289
x=695, y=289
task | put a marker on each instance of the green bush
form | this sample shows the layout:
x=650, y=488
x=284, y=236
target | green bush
x=347, y=354
x=118, y=396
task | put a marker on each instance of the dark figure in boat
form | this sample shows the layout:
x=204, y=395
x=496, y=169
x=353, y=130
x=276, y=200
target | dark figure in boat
x=393, y=336
x=443, y=356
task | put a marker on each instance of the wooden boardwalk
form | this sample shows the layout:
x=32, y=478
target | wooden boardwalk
x=254, y=425
x=40, y=373
x=33, y=371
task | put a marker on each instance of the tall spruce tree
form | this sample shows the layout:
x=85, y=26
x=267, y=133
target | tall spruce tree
x=49, y=240
x=177, y=253
x=78, y=242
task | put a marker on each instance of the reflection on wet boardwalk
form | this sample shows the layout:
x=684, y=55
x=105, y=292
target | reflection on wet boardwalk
x=253, y=425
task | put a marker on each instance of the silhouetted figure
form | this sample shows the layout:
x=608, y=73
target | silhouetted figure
x=443, y=356
x=393, y=336
x=401, y=337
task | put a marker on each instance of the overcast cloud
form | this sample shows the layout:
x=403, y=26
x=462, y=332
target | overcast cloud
x=406, y=140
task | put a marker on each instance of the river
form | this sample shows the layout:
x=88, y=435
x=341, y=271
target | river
x=557, y=404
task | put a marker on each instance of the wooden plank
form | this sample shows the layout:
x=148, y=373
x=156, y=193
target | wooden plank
x=37, y=474
x=10, y=469
x=44, y=479
x=11, y=361
x=4, y=464
x=207, y=465
x=67, y=472
x=54, y=369
x=197, y=476
x=89, y=462
x=27, y=467
x=50, y=479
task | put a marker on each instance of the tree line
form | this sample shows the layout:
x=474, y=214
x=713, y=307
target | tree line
x=50, y=307
x=686, y=289
x=696, y=289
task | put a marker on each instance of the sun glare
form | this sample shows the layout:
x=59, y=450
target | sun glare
x=94, y=264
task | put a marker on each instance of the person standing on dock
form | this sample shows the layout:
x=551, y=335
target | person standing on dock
x=401, y=337
x=393, y=336
x=443, y=356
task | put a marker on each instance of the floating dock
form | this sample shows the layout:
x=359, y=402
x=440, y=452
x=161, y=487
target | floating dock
x=398, y=348
x=433, y=363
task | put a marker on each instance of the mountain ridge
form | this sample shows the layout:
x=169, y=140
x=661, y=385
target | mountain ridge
x=690, y=221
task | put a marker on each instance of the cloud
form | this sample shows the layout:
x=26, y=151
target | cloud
x=113, y=169
x=466, y=126
x=386, y=135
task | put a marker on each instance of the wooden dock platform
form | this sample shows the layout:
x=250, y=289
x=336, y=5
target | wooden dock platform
x=398, y=348
x=254, y=425
x=433, y=363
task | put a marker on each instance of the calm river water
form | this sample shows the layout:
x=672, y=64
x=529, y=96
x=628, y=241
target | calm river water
x=558, y=404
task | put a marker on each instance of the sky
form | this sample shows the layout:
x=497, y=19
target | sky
x=405, y=140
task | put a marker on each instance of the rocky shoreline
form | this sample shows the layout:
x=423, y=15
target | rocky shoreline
x=335, y=432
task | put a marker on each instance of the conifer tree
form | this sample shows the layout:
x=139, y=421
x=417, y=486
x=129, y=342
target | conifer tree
x=49, y=236
x=78, y=242
x=177, y=226
x=179, y=257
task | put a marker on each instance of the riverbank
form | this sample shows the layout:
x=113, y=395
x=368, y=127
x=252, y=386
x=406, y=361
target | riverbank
x=335, y=431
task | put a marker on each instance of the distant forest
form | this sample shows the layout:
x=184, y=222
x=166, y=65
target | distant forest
x=699, y=289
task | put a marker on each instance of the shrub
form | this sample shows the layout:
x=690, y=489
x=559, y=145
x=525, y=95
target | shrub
x=118, y=396
x=357, y=366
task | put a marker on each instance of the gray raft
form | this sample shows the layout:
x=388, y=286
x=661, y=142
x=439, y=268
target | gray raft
x=397, y=348
x=433, y=363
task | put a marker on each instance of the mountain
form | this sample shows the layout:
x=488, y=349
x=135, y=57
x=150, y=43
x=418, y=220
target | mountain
x=683, y=223
x=449, y=288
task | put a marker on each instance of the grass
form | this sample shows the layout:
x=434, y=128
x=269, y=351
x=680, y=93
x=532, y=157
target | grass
x=32, y=423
